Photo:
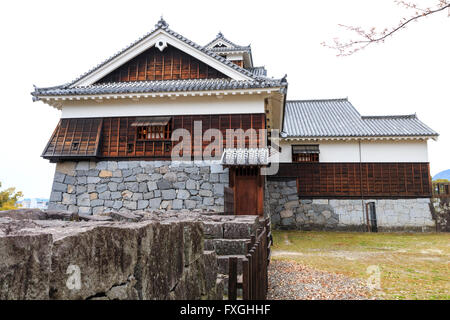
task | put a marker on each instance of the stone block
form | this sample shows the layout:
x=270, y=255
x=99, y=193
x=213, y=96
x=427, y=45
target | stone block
x=59, y=187
x=218, y=189
x=137, y=196
x=101, y=187
x=191, y=184
x=155, y=203
x=105, y=174
x=55, y=196
x=205, y=193
x=26, y=267
x=142, y=187
x=179, y=185
x=183, y=194
x=93, y=180
x=152, y=186
x=223, y=178
x=84, y=210
x=66, y=167
x=168, y=194
x=132, y=186
x=166, y=204
x=105, y=195
x=287, y=213
x=190, y=204
x=177, y=204
x=208, y=201
x=164, y=185
x=132, y=205
x=206, y=186
x=69, y=199
x=170, y=177
x=142, y=204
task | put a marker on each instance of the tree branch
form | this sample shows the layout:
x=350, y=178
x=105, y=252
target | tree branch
x=371, y=36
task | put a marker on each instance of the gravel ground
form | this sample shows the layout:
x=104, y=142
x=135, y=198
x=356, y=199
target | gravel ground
x=289, y=280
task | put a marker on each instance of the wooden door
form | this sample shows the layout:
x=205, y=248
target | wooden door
x=248, y=191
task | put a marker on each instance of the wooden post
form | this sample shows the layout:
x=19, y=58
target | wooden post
x=245, y=279
x=250, y=275
x=258, y=269
x=253, y=273
x=232, y=278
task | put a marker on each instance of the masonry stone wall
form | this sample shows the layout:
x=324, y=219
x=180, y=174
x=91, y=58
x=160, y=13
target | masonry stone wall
x=290, y=212
x=125, y=186
x=440, y=209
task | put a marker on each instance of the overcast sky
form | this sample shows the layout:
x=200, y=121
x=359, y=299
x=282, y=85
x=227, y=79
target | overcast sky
x=52, y=42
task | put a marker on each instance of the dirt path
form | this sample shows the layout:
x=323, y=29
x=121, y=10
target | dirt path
x=289, y=280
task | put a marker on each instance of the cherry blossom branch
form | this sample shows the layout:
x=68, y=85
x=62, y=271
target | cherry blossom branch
x=371, y=36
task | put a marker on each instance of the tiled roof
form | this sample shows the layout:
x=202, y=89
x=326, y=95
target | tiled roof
x=226, y=49
x=160, y=86
x=258, y=71
x=164, y=26
x=338, y=118
x=223, y=39
x=245, y=157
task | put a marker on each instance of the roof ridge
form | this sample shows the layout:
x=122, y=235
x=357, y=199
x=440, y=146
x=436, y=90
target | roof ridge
x=130, y=83
x=308, y=100
x=404, y=116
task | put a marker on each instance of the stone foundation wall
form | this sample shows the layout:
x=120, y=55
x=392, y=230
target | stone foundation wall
x=290, y=212
x=440, y=208
x=126, y=186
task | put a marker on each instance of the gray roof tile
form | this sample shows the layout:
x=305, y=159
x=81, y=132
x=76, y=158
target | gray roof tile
x=159, y=86
x=258, y=71
x=338, y=118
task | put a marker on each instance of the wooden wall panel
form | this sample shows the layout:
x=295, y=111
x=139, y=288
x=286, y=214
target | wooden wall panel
x=353, y=180
x=74, y=138
x=116, y=138
x=170, y=64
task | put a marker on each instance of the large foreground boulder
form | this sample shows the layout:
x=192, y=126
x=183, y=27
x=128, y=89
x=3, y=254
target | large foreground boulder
x=56, y=259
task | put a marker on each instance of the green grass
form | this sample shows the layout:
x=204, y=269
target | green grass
x=412, y=265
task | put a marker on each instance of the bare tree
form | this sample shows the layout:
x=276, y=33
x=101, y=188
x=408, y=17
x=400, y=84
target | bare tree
x=365, y=38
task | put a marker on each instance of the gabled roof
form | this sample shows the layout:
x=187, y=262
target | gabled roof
x=229, y=47
x=161, y=26
x=221, y=38
x=339, y=118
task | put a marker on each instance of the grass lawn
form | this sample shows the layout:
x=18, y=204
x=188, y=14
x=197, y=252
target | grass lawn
x=412, y=265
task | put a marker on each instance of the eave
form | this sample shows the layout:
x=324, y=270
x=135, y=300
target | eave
x=363, y=138
x=56, y=101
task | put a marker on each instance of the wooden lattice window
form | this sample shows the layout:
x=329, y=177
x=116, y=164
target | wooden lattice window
x=305, y=153
x=152, y=128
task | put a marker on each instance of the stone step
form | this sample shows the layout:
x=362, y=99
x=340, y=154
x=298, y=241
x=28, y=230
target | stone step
x=240, y=228
x=227, y=246
x=222, y=263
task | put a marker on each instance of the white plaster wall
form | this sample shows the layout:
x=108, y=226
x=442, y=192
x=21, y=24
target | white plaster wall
x=371, y=151
x=164, y=106
x=394, y=151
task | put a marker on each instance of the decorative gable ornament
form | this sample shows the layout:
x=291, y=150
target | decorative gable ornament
x=161, y=43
